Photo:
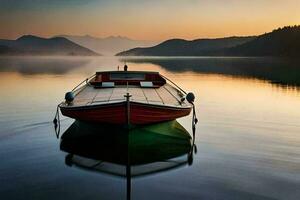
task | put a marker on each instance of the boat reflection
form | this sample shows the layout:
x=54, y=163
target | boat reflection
x=127, y=153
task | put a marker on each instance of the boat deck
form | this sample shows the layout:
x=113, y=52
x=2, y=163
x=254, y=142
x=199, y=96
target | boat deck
x=164, y=95
x=102, y=99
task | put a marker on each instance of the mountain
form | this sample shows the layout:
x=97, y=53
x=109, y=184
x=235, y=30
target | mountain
x=32, y=45
x=280, y=42
x=109, y=45
x=180, y=47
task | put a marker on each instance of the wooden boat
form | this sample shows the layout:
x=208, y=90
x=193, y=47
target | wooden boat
x=127, y=97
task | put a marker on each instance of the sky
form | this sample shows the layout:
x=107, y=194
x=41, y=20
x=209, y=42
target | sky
x=146, y=19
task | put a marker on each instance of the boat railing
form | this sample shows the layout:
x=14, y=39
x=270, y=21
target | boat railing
x=86, y=81
x=174, y=84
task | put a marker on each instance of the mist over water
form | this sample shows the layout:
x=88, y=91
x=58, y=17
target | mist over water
x=247, y=137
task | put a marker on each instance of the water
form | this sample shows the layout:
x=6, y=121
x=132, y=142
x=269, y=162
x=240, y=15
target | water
x=247, y=138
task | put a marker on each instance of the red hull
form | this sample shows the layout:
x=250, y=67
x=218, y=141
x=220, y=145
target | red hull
x=117, y=114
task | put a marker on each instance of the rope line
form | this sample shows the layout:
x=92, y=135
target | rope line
x=194, y=120
x=56, y=122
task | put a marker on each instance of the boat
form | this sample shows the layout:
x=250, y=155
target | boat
x=127, y=97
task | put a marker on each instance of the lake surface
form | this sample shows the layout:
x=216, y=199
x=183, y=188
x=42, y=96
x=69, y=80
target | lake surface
x=247, y=137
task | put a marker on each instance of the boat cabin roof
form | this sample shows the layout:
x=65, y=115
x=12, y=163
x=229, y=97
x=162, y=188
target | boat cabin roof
x=142, y=78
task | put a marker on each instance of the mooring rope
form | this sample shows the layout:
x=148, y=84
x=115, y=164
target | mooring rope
x=56, y=122
x=194, y=147
x=194, y=120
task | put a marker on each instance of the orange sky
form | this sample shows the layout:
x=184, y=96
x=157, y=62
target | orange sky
x=146, y=20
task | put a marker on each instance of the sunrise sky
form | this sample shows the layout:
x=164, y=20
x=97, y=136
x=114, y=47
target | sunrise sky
x=146, y=19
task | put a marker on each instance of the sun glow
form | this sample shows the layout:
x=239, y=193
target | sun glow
x=147, y=20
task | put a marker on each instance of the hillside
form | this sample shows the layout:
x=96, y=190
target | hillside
x=180, y=47
x=32, y=45
x=280, y=42
x=109, y=45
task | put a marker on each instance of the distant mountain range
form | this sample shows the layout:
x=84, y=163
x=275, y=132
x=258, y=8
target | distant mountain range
x=180, y=47
x=109, y=45
x=280, y=42
x=32, y=45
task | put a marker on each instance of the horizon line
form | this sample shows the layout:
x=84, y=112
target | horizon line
x=161, y=40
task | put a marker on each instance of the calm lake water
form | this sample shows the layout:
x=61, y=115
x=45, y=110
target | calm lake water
x=247, y=138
